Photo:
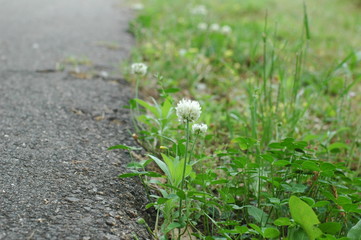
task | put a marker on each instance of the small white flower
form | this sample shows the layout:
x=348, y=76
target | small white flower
x=352, y=94
x=226, y=29
x=188, y=110
x=139, y=68
x=215, y=27
x=199, y=10
x=182, y=52
x=137, y=6
x=202, y=26
x=199, y=128
x=201, y=86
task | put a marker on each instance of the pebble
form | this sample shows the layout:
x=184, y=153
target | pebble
x=111, y=222
x=72, y=199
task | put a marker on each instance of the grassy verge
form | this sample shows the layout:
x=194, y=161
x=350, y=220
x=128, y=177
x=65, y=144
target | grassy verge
x=279, y=86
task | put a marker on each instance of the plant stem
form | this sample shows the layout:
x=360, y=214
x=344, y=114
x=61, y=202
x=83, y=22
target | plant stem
x=183, y=176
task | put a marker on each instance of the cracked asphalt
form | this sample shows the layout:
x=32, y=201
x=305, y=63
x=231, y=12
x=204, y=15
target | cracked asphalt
x=61, y=98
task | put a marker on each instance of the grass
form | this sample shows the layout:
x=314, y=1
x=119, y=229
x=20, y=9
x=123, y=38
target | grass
x=280, y=94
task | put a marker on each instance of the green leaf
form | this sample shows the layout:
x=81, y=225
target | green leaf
x=281, y=163
x=294, y=187
x=271, y=233
x=337, y=146
x=181, y=194
x=255, y=227
x=259, y=215
x=171, y=90
x=321, y=204
x=297, y=234
x=355, y=232
x=149, y=107
x=126, y=175
x=241, y=229
x=161, y=165
x=308, y=200
x=310, y=165
x=282, y=221
x=125, y=147
x=172, y=226
x=327, y=167
x=303, y=214
x=330, y=227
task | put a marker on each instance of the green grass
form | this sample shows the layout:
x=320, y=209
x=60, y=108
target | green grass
x=280, y=95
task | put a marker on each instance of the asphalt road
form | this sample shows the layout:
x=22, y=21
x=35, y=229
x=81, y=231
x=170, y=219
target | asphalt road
x=61, y=101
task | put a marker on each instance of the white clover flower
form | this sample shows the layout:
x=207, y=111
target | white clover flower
x=188, y=110
x=137, y=6
x=199, y=10
x=202, y=26
x=226, y=29
x=182, y=52
x=214, y=27
x=199, y=128
x=139, y=69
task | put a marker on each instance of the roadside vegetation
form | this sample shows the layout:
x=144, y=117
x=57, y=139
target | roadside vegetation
x=250, y=112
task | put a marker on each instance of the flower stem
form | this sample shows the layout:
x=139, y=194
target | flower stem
x=136, y=94
x=183, y=176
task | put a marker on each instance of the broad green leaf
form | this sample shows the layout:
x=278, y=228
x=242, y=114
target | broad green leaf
x=241, y=229
x=330, y=227
x=327, y=167
x=166, y=108
x=282, y=221
x=172, y=226
x=337, y=146
x=259, y=215
x=175, y=167
x=181, y=194
x=303, y=214
x=281, y=163
x=310, y=165
x=149, y=107
x=255, y=227
x=271, y=233
x=308, y=200
x=355, y=232
x=321, y=203
x=297, y=234
x=161, y=165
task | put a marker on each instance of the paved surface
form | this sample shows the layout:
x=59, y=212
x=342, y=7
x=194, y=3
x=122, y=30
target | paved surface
x=57, y=180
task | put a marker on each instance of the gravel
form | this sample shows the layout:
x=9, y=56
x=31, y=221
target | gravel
x=58, y=181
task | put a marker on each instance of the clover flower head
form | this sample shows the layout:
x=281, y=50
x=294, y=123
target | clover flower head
x=188, y=110
x=182, y=52
x=214, y=27
x=139, y=69
x=199, y=10
x=199, y=128
x=226, y=29
x=202, y=26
